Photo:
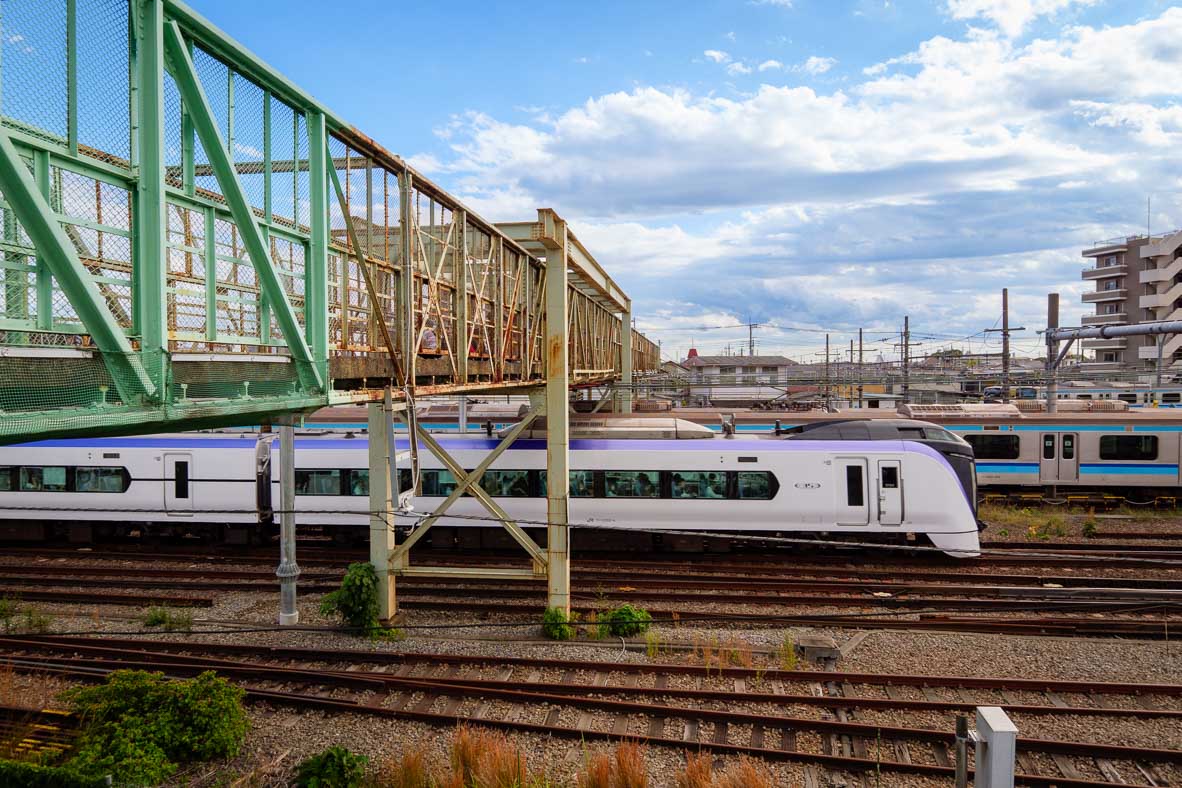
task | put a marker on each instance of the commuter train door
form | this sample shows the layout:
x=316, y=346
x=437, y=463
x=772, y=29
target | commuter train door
x=1059, y=457
x=890, y=492
x=852, y=505
x=178, y=484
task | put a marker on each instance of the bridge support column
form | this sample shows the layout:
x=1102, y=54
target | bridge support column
x=383, y=493
x=557, y=425
x=626, y=360
x=288, y=571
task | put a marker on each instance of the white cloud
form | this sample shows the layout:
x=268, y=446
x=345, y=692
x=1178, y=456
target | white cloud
x=818, y=65
x=717, y=55
x=1010, y=16
x=729, y=36
x=738, y=68
x=771, y=65
x=935, y=179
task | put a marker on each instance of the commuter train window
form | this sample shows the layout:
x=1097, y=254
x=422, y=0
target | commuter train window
x=890, y=478
x=755, y=485
x=405, y=480
x=359, y=481
x=101, y=480
x=1048, y=447
x=438, y=484
x=43, y=479
x=6, y=478
x=632, y=484
x=1069, y=447
x=994, y=447
x=854, y=494
x=699, y=484
x=1128, y=447
x=1172, y=398
x=318, y=482
x=582, y=484
x=939, y=434
x=506, y=484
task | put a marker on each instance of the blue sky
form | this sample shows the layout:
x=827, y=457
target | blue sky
x=810, y=164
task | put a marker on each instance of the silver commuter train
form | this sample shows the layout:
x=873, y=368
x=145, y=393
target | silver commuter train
x=174, y=484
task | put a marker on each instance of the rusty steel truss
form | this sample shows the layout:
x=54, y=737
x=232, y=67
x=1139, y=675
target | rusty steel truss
x=189, y=240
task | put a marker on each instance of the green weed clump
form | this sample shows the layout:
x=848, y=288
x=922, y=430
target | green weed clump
x=556, y=625
x=170, y=620
x=139, y=727
x=18, y=620
x=335, y=767
x=625, y=621
x=356, y=603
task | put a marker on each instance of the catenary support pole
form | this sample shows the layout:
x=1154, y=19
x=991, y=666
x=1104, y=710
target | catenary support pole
x=906, y=358
x=557, y=426
x=861, y=370
x=383, y=495
x=288, y=571
x=1161, y=341
x=1005, y=344
x=1052, y=351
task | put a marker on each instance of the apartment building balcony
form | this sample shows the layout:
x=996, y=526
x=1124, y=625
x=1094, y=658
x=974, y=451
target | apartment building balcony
x=1103, y=320
x=1099, y=296
x=1110, y=246
x=1110, y=343
x=1105, y=271
x=1102, y=366
x=1154, y=275
x=1149, y=353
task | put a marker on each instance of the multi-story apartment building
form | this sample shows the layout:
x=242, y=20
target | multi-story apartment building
x=1116, y=268
x=1138, y=280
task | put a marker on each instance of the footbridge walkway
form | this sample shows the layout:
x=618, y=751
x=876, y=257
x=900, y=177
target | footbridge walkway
x=188, y=239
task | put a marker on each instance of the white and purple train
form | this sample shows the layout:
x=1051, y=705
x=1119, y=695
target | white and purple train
x=840, y=487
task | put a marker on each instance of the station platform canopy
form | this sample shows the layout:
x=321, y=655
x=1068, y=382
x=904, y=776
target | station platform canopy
x=189, y=239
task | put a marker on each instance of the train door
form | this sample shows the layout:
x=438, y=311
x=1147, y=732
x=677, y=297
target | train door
x=178, y=486
x=1059, y=458
x=852, y=507
x=890, y=492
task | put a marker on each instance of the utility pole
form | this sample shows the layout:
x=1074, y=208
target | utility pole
x=906, y=357
x=1052, y=351
x=826, y=372
x=861, y=404
x=751, y=338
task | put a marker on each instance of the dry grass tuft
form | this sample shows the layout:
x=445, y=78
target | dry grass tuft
x=406, y=771
x=598, y=773
x=698, y=771
x=744, y=773
x=630, y=769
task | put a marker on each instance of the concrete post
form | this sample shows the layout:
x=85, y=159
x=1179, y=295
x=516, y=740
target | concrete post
x=1052, y=353
x=626, y=360
x=383, y=493
x=463, y=414
x=557, y=426
x=997, y=739
x=288, y=571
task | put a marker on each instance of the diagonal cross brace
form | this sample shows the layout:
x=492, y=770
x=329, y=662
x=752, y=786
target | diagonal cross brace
x=375, y=304
x=470, y=482
x=185, y=75
x=54, y=247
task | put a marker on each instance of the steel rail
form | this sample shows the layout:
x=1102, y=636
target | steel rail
x=784, y=723
x=134, y=600
x=91, y=644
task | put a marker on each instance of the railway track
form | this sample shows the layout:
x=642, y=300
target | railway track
x=774, y=714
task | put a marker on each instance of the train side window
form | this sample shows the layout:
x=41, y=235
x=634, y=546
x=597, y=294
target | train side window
x=318, y=482
x=358, y=481
x=1048, y=447
x=1172, y=398
x=994, y=447
x=405, y=479
x=698, y=484
x=43, y=479
x=582, y=484
x=1128, y=447
x=1069, y=447
x=101, y=480
x=6, y=478
x=633, y=484
x=890, y=477
x=854, y=495
x=506, y=484
x=755, y=486
x=438, y=484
